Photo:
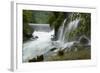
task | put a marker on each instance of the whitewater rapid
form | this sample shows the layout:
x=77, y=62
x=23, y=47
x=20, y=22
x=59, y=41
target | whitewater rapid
x=38, y=46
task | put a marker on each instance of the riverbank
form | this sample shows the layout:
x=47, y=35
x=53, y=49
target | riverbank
x=84, y=53
x=79, y=54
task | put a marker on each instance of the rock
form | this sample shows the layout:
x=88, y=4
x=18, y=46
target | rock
x=60, y=52
x=53, y=38
x=40, y=58
x=32, y=60
x=36, y=37
x=53, y=49
x=83, y=40
x=29, y=35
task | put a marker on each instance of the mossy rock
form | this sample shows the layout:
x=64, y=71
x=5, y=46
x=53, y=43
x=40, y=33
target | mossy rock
x=83, y=40
x=60, y=52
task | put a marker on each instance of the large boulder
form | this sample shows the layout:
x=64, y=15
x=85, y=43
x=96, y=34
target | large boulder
x=32, y=60
x=38, y=59
x=83, y=40
x=61, y=52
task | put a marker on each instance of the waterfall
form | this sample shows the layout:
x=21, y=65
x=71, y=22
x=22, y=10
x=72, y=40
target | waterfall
x=63, y=34
x=61, y=31
x=65, y=30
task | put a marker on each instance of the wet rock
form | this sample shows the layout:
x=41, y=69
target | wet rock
x=53, y=38
x=29, y=35
x=61, y=52
x=53, y=49
x=40, y=58
x=36, y=37
x=83, y=40
x=32, y=60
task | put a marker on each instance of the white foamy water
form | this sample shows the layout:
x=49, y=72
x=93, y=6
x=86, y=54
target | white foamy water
x=37, y=47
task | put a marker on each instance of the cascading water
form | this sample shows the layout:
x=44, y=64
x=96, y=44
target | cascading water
x=65, y=30
x=43, y=44
x=64, y=34
x=61, y=31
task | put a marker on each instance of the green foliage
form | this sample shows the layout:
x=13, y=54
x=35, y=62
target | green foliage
x=42, y=17
x=27, y=16
x=84, y=27
x=57, y=21
x=27, y=31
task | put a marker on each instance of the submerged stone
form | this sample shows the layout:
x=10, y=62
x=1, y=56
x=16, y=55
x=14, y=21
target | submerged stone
x=53, y=49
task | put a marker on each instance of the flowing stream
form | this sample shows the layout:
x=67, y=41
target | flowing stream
x=43, y=43
x=37, y=46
